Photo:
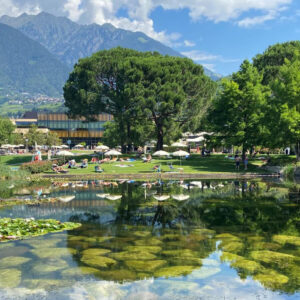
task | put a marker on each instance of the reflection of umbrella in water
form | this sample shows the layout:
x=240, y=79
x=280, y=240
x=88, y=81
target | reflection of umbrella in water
x=114, y=197
x=162, y=197
x=197, y=183
x=102, y=195
x=66, y=198
x=181, y=197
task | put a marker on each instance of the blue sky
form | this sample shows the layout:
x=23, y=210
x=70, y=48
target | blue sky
x=219, y=34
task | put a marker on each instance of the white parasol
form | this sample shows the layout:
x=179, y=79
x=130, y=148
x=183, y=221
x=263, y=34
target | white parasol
x=114, y=197
x=161, y=198
x=181, y=197
x=66, y=198
x=112, y=152
x=180, y=153
x=161, y=153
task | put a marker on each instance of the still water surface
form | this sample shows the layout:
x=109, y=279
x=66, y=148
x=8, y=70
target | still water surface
x=170, y=240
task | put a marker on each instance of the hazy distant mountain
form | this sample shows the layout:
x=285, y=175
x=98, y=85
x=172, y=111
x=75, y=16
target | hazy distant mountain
x=70, y=41
x=27, y=67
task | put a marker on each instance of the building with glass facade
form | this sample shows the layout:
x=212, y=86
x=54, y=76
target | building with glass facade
x=74, y=130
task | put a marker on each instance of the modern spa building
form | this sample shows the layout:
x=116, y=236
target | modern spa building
x=71, y=131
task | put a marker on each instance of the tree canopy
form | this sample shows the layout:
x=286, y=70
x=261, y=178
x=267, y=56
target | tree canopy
x=6, y=130
x=238, y=111
x=145, y=92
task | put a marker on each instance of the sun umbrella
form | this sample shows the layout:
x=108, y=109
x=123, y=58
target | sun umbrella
x=64, y=147
x=114, y=197
x=178, y=144
x=196, y=140
x=66, y=198
x=112, y=152
x=64, y=153
x=20, y=145
x=102, y=195
x=79, y=146
x=181, y=197
x=102, y=147
x=161, y=198
x=161, y=153
x=56, y=147
x=6, y=146
x=180, y=153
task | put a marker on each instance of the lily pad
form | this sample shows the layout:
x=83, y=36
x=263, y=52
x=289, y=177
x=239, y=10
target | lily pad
x=188, y=261
x=98, y=261
x=13, y=261
x=265, y=246
x=95, y=251
x=130, y=255
x=53, y=252
x=145, y=266
x=10, y=278
x=287, y=239
x=226, y=236
x=174, y=271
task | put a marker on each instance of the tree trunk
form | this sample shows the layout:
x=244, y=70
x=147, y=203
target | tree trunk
x=244, y=153
x=160, y=139
x=297, y=150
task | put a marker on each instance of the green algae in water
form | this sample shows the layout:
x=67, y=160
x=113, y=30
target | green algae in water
x=98, y=261
x=49, y=265
x=271, y=279
x=10, y=278
x=152, y=241
x=150, y=249
x=235, y=247
x=80, y=271
x=286, y=239
x=271, y=257
x=95, y=251
x=174, y=271
x=119, y=275
x=128, y=255
x=53, y=252
x=13, y=261
x=145, y=266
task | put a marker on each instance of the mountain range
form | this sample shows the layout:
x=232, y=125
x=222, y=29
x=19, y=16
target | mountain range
x=66, y=41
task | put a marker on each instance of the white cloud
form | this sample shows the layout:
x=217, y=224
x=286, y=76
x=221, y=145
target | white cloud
x=199, y=56
x=138, y=12
x=72, y=7
x=189, y=43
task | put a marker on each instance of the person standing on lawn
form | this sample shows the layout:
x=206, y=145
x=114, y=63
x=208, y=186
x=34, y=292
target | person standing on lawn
x=237, y=160
x=246, y=163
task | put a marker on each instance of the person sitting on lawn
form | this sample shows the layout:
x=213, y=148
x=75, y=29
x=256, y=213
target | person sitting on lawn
x=148, y=159
x=84, y=163
x=94, y=160
x=58, y=169
x=98, y=169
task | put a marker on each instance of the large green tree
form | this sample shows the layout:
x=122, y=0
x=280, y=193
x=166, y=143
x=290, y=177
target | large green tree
x=6, y=130
x=273, y=58
x=34, y=136
x=238, y=111
x=145, y=92
x=284, y=106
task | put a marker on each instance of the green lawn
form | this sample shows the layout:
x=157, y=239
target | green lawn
x=195, y=164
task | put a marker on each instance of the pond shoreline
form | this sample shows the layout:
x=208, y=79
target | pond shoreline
x=75, y=177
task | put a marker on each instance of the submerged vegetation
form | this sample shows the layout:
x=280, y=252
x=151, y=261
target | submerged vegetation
x=12, y=229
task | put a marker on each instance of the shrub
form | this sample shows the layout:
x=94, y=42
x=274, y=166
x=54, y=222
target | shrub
x=37, y=166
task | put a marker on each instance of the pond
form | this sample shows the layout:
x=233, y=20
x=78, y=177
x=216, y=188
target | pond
x=163, y=240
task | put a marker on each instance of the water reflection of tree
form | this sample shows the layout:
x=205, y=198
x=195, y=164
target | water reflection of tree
x=245, y=220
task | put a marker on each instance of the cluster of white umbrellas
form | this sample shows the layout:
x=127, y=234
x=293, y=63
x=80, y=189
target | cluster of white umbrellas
x=8, y=146
x=179, y=153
